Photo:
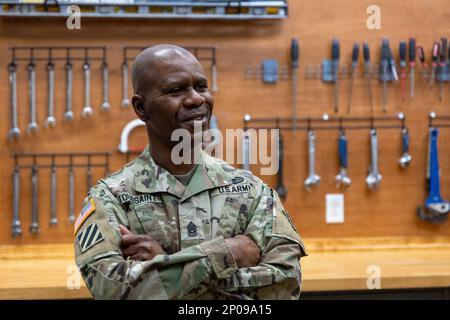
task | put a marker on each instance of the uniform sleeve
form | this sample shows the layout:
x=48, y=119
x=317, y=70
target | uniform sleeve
x=108, y=275
x=278, y=275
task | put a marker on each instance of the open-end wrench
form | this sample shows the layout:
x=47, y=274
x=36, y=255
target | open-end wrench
x=71, y=195
x=435, y=209
x=105, y=87
x=313, y=179
x=34, y=227
x=412, y=65
x=32, y=126
x=53, y=215
x=51, y=120
x=406, y=158
x=374, y=178
x=280, y=188
x=87, y=109
x=125, y=100
x=14, y=132
x=368, y=72
x=68, y=115
x=342, y=180
x=16, y=227
x=355, y=55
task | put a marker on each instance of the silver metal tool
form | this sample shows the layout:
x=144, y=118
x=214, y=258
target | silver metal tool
x=313, y=179
x=68, y=115
x=16, y=226
x=342, y=179
x=374, y=178
x=71, y=195
x=32, y=125
x=105, y=87
x=51, y=120
x=53, y=188
x=87, y=109
x=406, y=158
x=125, y=100
x=14, y=132
x=34, y=227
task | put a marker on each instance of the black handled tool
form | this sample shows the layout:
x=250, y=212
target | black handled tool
x=402, y=54
x=412, y=65
x=295, y=54
x=280, y=188
x=355, y=55
x=384, y=69
x=335, y=54
x=442, y=65
x=368, y=72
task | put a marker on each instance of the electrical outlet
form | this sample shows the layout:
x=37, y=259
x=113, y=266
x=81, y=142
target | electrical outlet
x=335, y=208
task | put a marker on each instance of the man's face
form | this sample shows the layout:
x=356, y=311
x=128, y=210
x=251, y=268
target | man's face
x=176, y=96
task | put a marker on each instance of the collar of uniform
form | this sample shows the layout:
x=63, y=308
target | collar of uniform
x=151, y=178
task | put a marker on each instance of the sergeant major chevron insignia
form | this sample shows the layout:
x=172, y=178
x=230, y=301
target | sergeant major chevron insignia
x=90, y=237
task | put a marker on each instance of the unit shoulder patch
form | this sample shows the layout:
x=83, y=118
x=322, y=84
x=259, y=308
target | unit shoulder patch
x=90, y=237
x=87, y=210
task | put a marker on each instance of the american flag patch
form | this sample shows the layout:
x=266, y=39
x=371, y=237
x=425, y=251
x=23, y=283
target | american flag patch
x=90, y=237
x=88, y=208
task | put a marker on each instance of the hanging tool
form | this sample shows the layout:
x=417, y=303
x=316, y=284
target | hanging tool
x=342, y=180
x=434, y=65
x=32, y=125
x=368, y=72
x=16, y=226
x=412, y=65
x=435, y=209
x=215, y=87
x=335, y=54
x=34, y=227
x=71, y=193
x=68, y=115
x=280, y=188
x=125, y=100
x=14, y=132
x=313, y=179
x=53, y=188
x=355, y=55
x=384, y=69
x=402, y=54
x=374, y=178
x=51, y=120
x=295, y=53
x=406, y=158
x=442, y=66
x=89, y=174
x=105, y=86
x=87, y=109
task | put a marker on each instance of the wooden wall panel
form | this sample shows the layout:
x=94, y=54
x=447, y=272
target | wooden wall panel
x=390, y=211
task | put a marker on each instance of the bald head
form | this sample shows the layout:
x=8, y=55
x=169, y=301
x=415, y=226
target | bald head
x=149, y=61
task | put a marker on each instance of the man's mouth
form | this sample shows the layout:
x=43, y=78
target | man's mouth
x=196, y=117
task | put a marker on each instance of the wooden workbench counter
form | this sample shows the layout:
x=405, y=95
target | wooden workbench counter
x=49, y=272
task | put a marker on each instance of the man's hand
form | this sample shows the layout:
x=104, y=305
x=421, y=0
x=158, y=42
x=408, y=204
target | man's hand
x=138, y=247
x=244, y=250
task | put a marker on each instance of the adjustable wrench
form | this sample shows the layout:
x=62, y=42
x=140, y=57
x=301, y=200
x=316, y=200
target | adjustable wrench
x=342, y=180
x=313, y=179
x=16, y=227
x=374, y=177
x=280, y=188
x=51, y=120
x=32, y=126
x=125, y=100
x=406, y=158
x=53, y=216
x=435, y=209
x=105, y=86
x=87, y=109
x=68, y=115
x=14, y=132
x=34, y=227
x=71, y=195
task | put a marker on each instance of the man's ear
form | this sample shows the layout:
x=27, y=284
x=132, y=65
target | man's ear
x=139, y=107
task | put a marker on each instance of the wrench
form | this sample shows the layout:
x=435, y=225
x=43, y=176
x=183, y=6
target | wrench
x=71, y=195
x=16, y=227
x=435, y=209
x=68, y=115
x=32, y=126
x=105, y=86
x=51, y=120
x=14, y=132
x=280, y=188
x=406, y=158
x=374, y=178
x=125, y=100
x=87, y=109
x=342, y=180
x=34, y=227
x=89, y=175
x=53, y=217
x=313, y=179
x=246, y=152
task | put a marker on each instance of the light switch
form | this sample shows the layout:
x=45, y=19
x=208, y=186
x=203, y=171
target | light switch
x=335, y=208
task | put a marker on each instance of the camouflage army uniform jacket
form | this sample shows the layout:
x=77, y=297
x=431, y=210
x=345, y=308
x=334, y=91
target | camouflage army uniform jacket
x=190, y=223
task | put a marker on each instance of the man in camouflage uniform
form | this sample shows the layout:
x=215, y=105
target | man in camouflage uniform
x=157, y=230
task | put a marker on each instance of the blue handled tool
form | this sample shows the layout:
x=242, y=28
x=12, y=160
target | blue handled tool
x=342, y=180
x=406, y=157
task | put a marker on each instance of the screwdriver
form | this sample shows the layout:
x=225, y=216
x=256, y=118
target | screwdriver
x=335, y=53
x=392, y=64
x=435, y=55
x=384, y=69
x=295, y=52
x=412, y=64
x=355, y=54
x=368, y=71
x=443, y=62
x=421, y=54
x=402, y=53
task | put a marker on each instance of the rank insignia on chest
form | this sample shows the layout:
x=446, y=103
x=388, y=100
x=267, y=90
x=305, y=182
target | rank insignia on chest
x=90, y=237
x=191, y=229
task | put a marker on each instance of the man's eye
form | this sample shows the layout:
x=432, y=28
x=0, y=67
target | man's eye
x=174, y=90
x=202, y=86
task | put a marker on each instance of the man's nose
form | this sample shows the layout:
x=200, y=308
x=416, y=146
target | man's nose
x=193, y=99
